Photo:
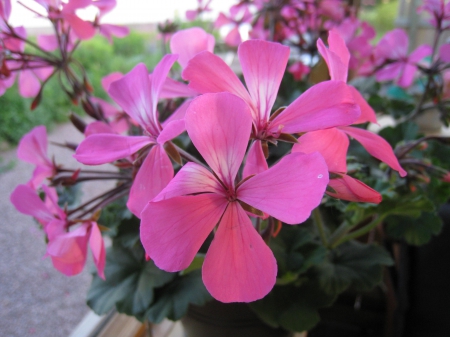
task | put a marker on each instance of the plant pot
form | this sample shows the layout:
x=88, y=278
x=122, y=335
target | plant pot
x=216, y=319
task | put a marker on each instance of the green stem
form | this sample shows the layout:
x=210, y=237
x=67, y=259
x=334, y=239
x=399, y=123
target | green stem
x=364, y=230
x=320, y=226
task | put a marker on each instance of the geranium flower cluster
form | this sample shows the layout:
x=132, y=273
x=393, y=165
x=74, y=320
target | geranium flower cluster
x=225, y=186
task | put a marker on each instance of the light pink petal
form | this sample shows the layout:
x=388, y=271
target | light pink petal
x=98, y=127
x=171, y=130
x=133, y=93
x=73, y=5
x=191, y=15
x=5, y=9
x=376, y=146
x=263, y=64
x=332, y=144
x=394, y=45
x=51, y=201
x=39, y=175
x=178, y=114
x=82, y=29
x=444, y=52
x=337, y=69
x=367, y=113
x=189, y=42
x=29, y=85
x=107, y=80
x=256, y=161
x=239, y=266
x=351, y=189
x=105, y=148
x=419, y=53
x=233, y=38
x=108, y=109
x=26, y=201
x=173, y=230
x=154, y=174
x=390, y=71
x=108, y=31
x=338, y=46
x=219, y=126
x=312, y=112
x=48, y=42
x=55, y=228
x=175, y=89
x=98, y=249
x=407, y=76
x=289, y=190
x=191, y=179
x=222, y=20
x=33, y=147
x=207, y=72
x=68, y=251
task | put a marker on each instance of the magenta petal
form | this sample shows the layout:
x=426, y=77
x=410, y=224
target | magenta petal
x=33, y=147
x=189, y=42
x=289, y=190
x=420, y=52
x=26, y=201
x=98, y=249
x=312, y=112
x=407, y=76
x=376, y=146
x=351, y=189
x=191, y=179
x=444, y=52
x=108, y=79
x=105, y=148
x=82, y=29
x=239, y=266
x=219, y=126
x=154, y=174
x=97, y=127
x=389, y=72
x=47, y=42
x=337, y=69
x=367, y=113
x=256, y=161
x=178, y=114
x=332, y=144
x=171, y=130
x=207, y=72
x=263, y=64
x=68, y=251
x=233, y=38
x=29, y=84
x=173, y=230
x=174, y=89
x=39, y=175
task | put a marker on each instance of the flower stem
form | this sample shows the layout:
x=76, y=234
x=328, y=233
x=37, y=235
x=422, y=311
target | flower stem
x=320, y=226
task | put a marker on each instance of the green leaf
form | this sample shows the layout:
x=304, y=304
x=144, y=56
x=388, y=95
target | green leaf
x=129, y=284
x=415, y=231
x=197, y=263
x=172, y=300
x=411, y=206
x=355, y=265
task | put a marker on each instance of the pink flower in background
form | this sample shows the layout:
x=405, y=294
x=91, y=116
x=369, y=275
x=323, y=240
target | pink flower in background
x=108, y=30
x=298, y=70
x=401, y=67
x=191, y=15
x=137, y=94
x=238, y=16
x=5, y=9
x=33, y=149
x=337, y=57
x=239, y=266
x=67, y=249
x=439, y=11
x=263, y=65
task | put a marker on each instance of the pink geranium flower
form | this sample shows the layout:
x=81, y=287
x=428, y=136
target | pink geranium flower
x=33, y=149
x=137, y=94
x=333, y=143
x=191, y=15
x=401, y=67
x=440, y=12
x=67, y=249
x=239, y=266
x=263, y=65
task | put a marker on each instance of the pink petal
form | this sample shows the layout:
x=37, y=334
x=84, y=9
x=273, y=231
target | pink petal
x=312, y=112
x=263, y=64
x=394, y=45
x=207, y=72
x=256, y=161
x=105, y=148
x=419, y=53
x=289, y=190
x=337, y=56
x=26, y=201
x=189, y=42
x=338, y=46
x=219, y=126
x=233, y=38
x=171, y=130
x=98, y=127
x=173, y=230
x=367, y=113
x=178, y=114
x=332, y=144
x=39, y=175
x=390, y=71
x=68, y=251
x=376, y=146
x=222, y=20
x=444, y=52
x=33, y=147
x=82, y=29
x=239, y=266
x=191, y=179
x=107, y=80
x=348, y=188
x=98, y=249
x=154, y=174
x=109, y=31
x=29, y=84
x=175, y=89
x=48, y=42
x=407, y=76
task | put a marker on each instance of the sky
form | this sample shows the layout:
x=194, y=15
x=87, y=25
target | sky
x=126, y=11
